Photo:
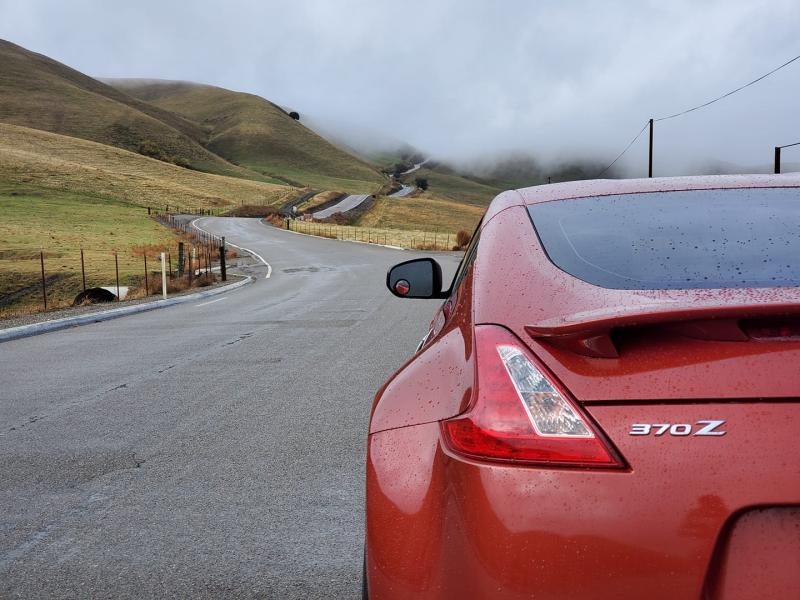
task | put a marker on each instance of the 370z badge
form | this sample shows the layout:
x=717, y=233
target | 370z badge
x=706, y=427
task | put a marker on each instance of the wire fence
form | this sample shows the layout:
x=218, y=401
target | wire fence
x=33, y=280
x=409, y=239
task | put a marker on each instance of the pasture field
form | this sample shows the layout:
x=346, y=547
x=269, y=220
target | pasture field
x=59, y=224
x=46, y=160
x=425, y=212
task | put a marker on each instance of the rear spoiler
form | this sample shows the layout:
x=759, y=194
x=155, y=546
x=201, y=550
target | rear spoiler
x=589, y=334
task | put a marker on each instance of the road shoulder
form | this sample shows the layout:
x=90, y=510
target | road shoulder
x=21, y=331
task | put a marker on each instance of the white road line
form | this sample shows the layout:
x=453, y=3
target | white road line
x=211, y=301
x=256, y=254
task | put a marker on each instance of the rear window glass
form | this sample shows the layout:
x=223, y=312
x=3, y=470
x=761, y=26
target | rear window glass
x=669, y=240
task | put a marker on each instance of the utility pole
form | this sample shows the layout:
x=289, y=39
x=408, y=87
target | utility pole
x=778, y=155
x=650, y=160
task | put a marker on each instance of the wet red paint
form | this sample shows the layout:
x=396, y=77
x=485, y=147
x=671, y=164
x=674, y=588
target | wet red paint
x=687, y=516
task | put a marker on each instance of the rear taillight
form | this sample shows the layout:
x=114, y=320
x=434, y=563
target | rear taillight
x=520, y=415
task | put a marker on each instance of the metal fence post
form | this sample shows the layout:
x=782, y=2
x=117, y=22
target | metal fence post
x=116, y=268
x=146, y=282
x=44, y=285
x=222, y=266
x=650, y=155
x=83, y=271
x=180, y=259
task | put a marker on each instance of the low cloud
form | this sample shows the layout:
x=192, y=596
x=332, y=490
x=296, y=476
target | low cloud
x=462, y=81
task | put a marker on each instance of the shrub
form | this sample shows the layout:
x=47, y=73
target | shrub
x=462, y=239
x=295, y=115
x=151, y=149
x=421, y=183
x=182, y=162
x=252, y=210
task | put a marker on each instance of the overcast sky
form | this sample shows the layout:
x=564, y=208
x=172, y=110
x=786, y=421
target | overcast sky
x=462, y=79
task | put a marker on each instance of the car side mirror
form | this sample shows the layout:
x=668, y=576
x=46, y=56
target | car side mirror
x=418, y=278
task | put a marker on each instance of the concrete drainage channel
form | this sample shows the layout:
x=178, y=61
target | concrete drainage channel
x=22, y=331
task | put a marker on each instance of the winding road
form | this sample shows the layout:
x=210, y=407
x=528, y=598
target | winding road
x=403, y=191
x=347, y=203
x=213, y=449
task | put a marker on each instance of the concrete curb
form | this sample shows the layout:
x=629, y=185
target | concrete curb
x=14, y=333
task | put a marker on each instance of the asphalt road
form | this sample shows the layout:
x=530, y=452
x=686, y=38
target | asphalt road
x=213, y=449
x=347, y=203
x=403, y=191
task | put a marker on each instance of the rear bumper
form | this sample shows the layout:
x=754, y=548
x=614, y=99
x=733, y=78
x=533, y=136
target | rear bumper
x=442, y=526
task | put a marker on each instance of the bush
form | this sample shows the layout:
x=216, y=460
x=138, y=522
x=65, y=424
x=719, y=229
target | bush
x=182, y=162
x=295, y=115
x=151, y=149
x=421, y=183
x=252, y=210
x=401, y=167
x=462, y=239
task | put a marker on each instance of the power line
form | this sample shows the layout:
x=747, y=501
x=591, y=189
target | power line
x=789, y=145
x=641, y=131
x=694, y=108
x=739, y=89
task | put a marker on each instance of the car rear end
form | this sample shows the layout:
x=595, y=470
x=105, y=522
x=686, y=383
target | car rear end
x=632, y=427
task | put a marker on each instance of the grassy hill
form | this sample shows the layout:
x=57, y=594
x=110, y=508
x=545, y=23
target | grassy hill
x=450, y=185
x=425, y=212
x=40, y=93
x=257, y=134
x=39, y=158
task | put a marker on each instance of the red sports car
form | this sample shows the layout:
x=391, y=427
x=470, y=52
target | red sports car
x=607, y=404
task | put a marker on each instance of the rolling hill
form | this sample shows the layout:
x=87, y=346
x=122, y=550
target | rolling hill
x=40, y=93
x=31, y=157
x=255, y=133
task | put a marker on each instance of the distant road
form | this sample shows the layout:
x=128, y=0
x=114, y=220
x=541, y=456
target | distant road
x=205, y=450
x=287, y=210
x=415, y=167
x=403, y=191
x=347, y=203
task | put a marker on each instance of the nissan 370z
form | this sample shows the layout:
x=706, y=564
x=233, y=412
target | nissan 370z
x=606, y=404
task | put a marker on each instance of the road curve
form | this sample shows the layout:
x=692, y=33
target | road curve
x=210, y=449
x=403, y=191
x=347, y=203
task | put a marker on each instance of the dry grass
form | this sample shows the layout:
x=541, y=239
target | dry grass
x=317, y=200
x=255, y=133
x=38, y=92
x=41, y=159
x=174, y=285
x=252, y=211
x=411, y=239
x=60, y=224
x=426, y=212
x=458, y=188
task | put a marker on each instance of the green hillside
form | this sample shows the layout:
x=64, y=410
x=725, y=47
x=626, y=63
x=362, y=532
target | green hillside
x=444, y=182
x=31, y=157
x=40, y=93
x=257, y=134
